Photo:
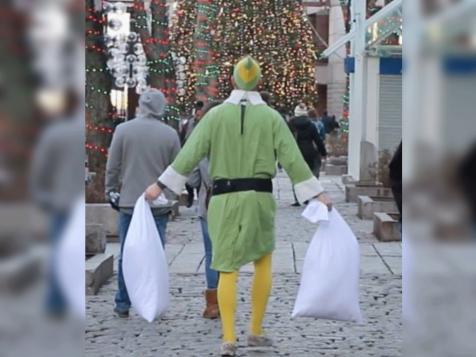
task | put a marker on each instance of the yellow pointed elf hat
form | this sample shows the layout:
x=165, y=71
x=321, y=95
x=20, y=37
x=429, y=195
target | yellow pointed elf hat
x=247, y=73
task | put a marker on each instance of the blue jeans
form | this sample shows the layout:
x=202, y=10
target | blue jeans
x=211, y=275
x=123, y=303
x=55, y=301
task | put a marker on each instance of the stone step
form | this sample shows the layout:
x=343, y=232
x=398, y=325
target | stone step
x=369, y=205
x=95, y=239
x=353, y=191
x=102, y=213
x=99, y=269
x=387, y=227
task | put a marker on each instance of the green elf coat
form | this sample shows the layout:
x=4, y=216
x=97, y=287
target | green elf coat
x=241, y=224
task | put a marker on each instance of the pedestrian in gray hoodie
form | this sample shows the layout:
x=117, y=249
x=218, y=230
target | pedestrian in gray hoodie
x=140, y=151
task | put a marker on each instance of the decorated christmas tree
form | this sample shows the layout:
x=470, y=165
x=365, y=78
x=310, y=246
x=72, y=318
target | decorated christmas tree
x=210, y=38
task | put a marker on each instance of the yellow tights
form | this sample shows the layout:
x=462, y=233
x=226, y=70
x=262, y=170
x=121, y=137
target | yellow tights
x=259, y=299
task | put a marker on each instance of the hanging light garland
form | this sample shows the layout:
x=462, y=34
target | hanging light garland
x=128, y=62
x=98, y=149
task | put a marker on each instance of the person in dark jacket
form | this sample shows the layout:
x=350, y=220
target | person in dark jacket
x=318, y=124
x=330, y=123
x=310, y=143
x=395, y=167
x=307, y=137
x=466, y=175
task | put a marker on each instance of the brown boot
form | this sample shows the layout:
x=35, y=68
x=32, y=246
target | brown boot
x=211, y=311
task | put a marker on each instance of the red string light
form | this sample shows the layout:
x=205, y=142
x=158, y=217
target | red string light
x=100, y=149
x=101, y=129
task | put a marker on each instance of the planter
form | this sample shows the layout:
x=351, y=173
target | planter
x=369, y=205
x=104, y=215
x=387, y=227
x=99, y=269
x=95, y=239
x=353, y=191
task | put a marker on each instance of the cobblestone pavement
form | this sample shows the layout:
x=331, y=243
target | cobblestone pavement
x=182, y=331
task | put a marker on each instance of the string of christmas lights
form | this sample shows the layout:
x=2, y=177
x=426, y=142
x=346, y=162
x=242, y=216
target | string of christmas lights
x=99, y=111
x=97, y=149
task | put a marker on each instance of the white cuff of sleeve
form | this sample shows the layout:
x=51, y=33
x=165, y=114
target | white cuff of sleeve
x=308, y=189
x=173, y=180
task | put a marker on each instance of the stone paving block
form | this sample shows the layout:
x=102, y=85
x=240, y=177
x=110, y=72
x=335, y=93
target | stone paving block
x=189, y=259
x=392, y=249
x=367, y=250
x=299, y=264
x=373, y=265
x=95, y=239
x=172, y=251
x=300, y=250
x=283, y=258
x=395, y=264
x=193, y=248
x=99, y=269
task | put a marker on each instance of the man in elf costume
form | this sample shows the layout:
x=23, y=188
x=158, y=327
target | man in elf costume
x=243, y=139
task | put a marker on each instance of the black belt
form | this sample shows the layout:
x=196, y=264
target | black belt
x=223, y=186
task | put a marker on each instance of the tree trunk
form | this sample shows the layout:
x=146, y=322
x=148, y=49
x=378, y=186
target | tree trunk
x=98, y=104
x=157, y=49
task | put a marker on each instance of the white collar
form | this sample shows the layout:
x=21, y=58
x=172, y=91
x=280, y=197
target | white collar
x=237, y=95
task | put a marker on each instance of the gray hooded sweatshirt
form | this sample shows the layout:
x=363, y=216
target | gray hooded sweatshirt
x=140, y=151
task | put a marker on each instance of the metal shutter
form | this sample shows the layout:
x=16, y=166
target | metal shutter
x=390, y=112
